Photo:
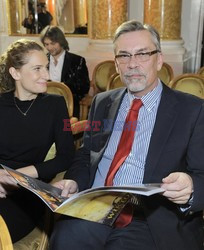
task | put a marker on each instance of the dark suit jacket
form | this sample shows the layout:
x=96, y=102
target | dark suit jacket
x=177, y=144
x=75, y=75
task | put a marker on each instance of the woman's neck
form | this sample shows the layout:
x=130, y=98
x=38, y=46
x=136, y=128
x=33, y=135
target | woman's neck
x=24, y=96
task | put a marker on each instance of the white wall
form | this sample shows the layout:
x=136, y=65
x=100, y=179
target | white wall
x=191, y=32
x=135, y=10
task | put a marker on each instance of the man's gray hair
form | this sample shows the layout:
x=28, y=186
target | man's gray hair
x=134, y=25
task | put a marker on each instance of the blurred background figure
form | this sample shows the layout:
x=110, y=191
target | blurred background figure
x=64, y=66
x=44, y=18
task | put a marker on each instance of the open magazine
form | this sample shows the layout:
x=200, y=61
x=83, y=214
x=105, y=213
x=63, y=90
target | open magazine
x=101, y=204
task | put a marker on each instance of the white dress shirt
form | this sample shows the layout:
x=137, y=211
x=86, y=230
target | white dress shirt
x=55, y=70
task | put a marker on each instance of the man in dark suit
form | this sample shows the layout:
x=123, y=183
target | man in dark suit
x=64, y=66
x=168, y=148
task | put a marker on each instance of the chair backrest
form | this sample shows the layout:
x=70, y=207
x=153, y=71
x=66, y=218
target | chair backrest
x=102, y=73
x=114, y=82
x=60, y=88
x=189, y=83
x=5, y=238
x=201, y=71
x=166, y=73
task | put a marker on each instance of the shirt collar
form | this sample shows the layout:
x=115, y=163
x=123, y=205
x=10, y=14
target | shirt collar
x=59, y=59
x=150, y=99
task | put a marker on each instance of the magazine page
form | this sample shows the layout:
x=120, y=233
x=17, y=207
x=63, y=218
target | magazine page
x=142, y=189
x=102, y=207
x=103, y=204
x=100, y=204
x=48, y=193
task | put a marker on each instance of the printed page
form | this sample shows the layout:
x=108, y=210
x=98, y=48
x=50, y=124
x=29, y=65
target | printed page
x=49, y=194
x=101, y=204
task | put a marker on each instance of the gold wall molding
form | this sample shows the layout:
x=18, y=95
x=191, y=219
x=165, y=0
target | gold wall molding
x=107, y=15
x=2, y=17
x=165, y=16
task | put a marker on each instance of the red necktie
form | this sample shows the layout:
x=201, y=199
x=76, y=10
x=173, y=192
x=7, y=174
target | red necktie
x=123, y=150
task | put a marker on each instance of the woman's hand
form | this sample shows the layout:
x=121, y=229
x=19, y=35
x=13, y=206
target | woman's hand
x=7, y=183
x=69, y=187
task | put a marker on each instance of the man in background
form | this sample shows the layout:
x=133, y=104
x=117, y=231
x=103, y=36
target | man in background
x=64, y=66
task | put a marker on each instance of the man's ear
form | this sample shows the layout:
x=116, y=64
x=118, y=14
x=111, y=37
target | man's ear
x=160, y=61
x=14, y=73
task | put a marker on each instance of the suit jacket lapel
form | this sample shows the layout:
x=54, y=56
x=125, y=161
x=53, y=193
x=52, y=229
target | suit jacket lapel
x=109, y=116
x=166, y=117
x=111, y=109
x=66, y=66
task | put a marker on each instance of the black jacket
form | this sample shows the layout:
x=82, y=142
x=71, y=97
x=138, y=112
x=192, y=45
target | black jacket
x=176, y=145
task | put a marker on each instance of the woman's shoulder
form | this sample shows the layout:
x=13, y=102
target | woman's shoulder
x=7, y=97
x=51, y=99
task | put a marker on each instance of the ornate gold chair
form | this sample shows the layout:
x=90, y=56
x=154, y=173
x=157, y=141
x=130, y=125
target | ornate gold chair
x=37, y=239
x=189, y=83
x=100, y=77
x=60, y=88
x=114, y=82
x=166, y=73
x=5, y=239
x=201, y=71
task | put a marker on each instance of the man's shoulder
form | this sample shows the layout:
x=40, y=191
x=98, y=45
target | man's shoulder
x=73, y=56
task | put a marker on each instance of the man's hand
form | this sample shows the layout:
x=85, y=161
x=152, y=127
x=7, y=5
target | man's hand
x=178, y=187
x=68, y=187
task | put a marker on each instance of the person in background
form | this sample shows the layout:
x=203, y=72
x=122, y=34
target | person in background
x=162, y=141
x=44, y=16
x=29, y=23
x=64, y=66
x=31, y=121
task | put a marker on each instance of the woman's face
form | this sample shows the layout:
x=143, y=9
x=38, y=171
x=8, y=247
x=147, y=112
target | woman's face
x=31, y=78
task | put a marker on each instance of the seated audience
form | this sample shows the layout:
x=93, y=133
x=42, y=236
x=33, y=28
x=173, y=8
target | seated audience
x=146, y=133
x=65, y=66
x=31, y=121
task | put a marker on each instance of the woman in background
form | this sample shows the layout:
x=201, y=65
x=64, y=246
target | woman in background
x=31, y=121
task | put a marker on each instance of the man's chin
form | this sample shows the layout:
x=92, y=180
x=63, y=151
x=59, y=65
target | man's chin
x=135, y=88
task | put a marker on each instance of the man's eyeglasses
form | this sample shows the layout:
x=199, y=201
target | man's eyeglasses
x=141, y=57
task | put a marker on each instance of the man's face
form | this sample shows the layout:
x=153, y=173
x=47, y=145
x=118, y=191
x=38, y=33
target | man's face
x=53, y=48
x=139, y=77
